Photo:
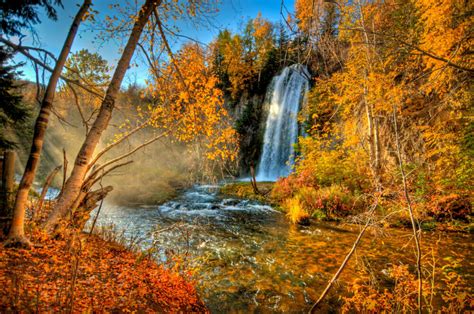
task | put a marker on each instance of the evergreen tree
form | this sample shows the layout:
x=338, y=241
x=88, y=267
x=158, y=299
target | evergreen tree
x=12, y=110
x=18, y=14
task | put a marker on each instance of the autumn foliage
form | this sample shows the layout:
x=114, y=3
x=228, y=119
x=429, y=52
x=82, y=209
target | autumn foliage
x=88, y=274
x=398, y=60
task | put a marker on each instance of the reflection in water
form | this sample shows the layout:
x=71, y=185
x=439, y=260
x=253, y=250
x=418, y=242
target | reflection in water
x=246, y=256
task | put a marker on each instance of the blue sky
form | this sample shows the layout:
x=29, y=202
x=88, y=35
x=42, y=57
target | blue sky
x=232, y=14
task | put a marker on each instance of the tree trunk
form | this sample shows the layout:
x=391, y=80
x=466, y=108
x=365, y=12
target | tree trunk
x=377, y=148
x=370, y=128
x=87, y=205
x=374, y=145
x=72, y=188
x=8, y=184
x=16, y=235
x=372, y=124
x=252, y=179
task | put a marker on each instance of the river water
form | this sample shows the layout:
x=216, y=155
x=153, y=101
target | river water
x=246, y=257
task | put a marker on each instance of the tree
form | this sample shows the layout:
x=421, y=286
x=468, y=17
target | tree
x=16, y=235
x=18, y=14
x=245, y=62
x=399, y=105
x=264, y=47
x=92, y=71
x=194, y=112
x=13, y=112
x=72, y=191
x=90, y=68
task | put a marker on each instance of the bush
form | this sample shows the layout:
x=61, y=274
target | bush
x=367, y=298
x=321, y=203
x=295, y=210
x=287, y=187
x=329, y=164
x=334, y=202
x=400, y=293
x=284, y=188
x=452, y=206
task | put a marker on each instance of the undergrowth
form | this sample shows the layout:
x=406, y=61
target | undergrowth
x=85, y=273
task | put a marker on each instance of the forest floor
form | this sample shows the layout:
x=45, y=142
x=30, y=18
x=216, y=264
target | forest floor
x=89, y=274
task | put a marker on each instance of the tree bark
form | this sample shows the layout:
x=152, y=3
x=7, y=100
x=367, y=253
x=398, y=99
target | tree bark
x=72, y=188
x=87, y=205
x=16, y=235
x=7, y=191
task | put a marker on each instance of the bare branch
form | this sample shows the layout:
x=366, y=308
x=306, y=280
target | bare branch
x=346, y=259
x=94, y=181
x=168, y=48
x=148, y=59
x=112, y=161
x=109, y=147
x=410, y=211
x=46, y=185
x=37, y=61
x=78, y=106
x=184, y=36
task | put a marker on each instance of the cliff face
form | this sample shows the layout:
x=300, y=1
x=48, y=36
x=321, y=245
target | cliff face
x=249, y=114
x=251, y=110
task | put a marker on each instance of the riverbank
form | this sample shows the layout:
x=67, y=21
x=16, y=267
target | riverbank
x=88, y=274
x=244, y=190
x=247, y=257
x=389, y=211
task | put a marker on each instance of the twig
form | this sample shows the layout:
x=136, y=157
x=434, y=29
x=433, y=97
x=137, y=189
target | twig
x=37, y=61
x=109, y=147
x=95, y=172
x=78, y=254
x=410, y=211
x=78, y=106
x=168, y=49
x=346, y=259
x=98, y=211
x=91, y=181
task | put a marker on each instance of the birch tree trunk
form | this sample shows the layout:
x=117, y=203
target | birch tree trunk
x=372, y=123
x=72, y=188
x=16, y=235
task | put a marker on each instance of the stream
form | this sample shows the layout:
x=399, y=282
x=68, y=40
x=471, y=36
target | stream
x=246, y=257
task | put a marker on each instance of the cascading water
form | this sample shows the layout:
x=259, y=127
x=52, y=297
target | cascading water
x=285, y=94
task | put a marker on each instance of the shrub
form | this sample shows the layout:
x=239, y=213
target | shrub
x=452, y=206
x=339, y=201
x=321, y=203
x=402, y=298
x=287, y=187
x=283, y=189
x=295, y=210
x=328, y=164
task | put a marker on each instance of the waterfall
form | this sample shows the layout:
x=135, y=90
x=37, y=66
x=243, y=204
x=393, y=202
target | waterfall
x=285, y=94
